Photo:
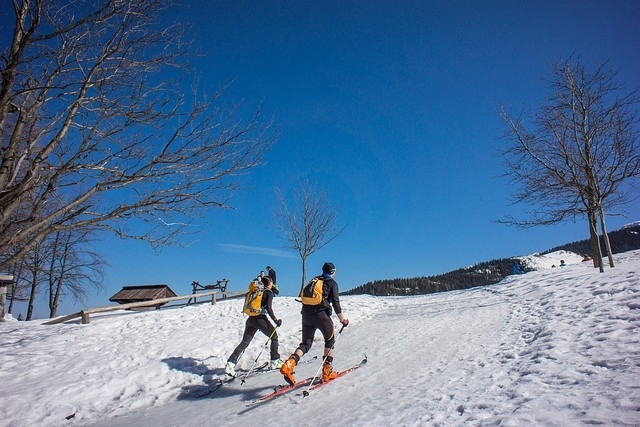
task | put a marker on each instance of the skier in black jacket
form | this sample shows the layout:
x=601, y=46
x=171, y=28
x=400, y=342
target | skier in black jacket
x=316, y=317
x=255, y=324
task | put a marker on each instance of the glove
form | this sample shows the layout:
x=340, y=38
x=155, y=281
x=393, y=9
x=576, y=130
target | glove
x=279, y=322
x=345, y=322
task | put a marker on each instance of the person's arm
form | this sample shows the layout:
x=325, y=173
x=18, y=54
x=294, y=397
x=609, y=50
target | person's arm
x=267, y=298
x=335, y=302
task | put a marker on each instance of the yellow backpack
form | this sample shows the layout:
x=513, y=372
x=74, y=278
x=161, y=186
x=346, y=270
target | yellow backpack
x=253, y=300
x=311, y=294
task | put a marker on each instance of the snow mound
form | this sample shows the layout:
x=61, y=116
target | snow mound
x=550, y=260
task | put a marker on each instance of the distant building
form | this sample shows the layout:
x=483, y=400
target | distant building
x=141, y=293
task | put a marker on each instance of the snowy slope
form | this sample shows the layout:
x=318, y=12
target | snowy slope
x=558, y=346
x=551, y=260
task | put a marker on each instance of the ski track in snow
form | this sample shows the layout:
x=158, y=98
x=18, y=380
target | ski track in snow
x=551, y=347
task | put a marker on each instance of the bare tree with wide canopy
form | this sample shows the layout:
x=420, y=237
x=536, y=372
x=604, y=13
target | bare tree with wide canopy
x=579, y=155
x=97, y=130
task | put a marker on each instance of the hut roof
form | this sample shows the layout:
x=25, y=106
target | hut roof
x=142, y=293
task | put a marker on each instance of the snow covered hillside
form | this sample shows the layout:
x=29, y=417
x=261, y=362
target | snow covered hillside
x=557, y=346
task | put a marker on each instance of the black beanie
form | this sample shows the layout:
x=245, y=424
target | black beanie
x=328, y=268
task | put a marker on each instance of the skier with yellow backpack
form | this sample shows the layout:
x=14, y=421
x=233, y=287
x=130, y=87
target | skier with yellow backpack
x=258, y=304
x=318, y=296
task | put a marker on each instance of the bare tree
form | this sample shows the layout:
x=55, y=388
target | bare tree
x=97, y=131
x=62, y=265
x=308, y=223
x=582, y=155
x=34, y=263
x=73, y=268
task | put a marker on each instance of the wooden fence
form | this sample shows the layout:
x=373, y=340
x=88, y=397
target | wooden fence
x=84, y=314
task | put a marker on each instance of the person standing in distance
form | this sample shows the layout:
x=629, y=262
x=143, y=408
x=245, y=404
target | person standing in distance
x=316, y=317
x=272, y=275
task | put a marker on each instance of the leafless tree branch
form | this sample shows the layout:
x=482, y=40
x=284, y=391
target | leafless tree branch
x=308, y=222
x=97, y=131
x=580, y=154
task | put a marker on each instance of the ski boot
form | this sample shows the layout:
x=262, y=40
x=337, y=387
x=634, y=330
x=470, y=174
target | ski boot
x=230, y=370
x=328, y=373
x=288, y=369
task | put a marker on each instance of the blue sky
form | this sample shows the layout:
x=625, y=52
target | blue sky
x=392, y=108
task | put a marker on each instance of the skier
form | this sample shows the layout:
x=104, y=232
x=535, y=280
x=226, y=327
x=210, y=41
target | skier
x=316, y=317
x=262, y=324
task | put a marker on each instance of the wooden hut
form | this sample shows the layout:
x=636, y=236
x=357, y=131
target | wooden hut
x=142, y=293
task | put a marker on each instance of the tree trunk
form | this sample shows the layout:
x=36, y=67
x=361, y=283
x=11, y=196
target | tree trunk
x=32, y=298
x=53, y=304
x=12, y=293
x=55, y=288
x=594, y=244
x=34, y=281
x=304, y=272
x=605, y=237
x=595, y=241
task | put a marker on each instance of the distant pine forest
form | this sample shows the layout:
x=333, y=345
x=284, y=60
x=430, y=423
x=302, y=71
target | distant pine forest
x=486, y=273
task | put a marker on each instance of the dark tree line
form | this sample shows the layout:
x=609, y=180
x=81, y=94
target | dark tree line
x=485, y=273
x=623, y=240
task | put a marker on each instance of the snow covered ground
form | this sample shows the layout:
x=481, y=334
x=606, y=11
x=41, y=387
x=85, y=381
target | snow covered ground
x=557, y=346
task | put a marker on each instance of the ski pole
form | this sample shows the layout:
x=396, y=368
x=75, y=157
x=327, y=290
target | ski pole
x=258, y=356
x=306, y=392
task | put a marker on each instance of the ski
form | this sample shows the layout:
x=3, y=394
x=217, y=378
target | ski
x=279, y=391
x=208, y=389
x=262, y=369
x=340, y=374
x=282, y=389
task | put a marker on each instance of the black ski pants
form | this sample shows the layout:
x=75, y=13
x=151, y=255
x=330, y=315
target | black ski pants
x=311, y=322
x=253, y=325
